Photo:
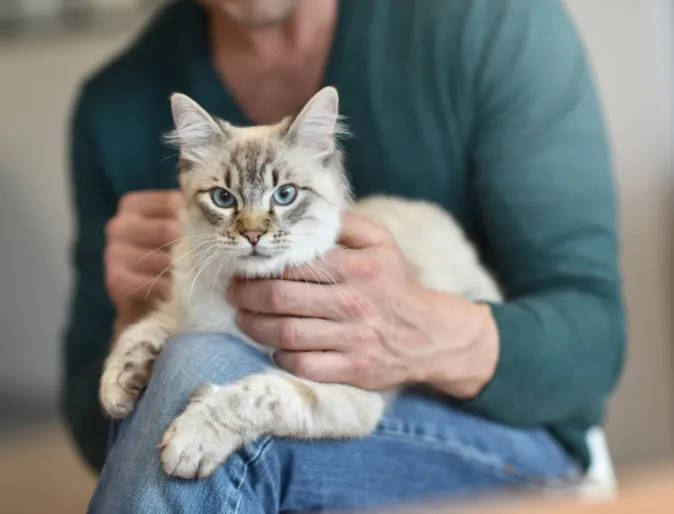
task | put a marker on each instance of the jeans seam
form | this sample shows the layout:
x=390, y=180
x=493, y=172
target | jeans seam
x=264, y=445
x=487, y=460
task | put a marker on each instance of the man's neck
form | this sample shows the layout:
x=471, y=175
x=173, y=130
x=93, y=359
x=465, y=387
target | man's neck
x=309, y=22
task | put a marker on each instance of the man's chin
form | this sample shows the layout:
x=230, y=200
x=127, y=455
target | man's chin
x=256, y=19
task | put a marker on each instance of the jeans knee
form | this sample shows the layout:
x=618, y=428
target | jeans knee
x=188, y=352
x=132, y=478
x=188, y=360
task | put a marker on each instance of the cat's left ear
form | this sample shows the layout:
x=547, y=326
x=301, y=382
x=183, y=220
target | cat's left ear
x=317, y=125
x=196, y=132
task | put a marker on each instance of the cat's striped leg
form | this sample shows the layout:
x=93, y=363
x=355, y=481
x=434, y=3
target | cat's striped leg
x=127, y=369
x=221, y=419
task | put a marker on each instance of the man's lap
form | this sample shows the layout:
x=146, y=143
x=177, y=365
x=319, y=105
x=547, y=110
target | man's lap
x=424, y=448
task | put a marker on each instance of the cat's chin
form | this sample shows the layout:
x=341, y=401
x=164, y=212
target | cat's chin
x=273, y=266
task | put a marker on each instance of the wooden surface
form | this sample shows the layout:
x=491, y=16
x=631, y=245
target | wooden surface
x=649, y=491
x=40, y=473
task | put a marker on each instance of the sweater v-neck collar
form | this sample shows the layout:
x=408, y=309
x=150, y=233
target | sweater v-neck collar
x=200, y=80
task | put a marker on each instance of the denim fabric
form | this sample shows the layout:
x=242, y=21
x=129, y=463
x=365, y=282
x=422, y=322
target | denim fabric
x=424, y=449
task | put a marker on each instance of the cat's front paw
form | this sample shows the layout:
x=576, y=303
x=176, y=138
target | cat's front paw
x=198, y=441
x=124, y=378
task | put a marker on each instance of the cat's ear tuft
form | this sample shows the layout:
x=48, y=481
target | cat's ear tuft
x=317, y=126
x=195, y=130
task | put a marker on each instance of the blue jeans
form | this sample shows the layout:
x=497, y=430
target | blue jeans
x=424, y=449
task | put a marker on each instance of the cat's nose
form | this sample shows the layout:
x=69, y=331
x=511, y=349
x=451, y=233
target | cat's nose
x=253, y=236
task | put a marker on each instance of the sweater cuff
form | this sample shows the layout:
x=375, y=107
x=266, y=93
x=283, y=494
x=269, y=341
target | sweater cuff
x=501, y=398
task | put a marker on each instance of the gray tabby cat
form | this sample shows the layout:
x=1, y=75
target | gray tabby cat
x=257, y=200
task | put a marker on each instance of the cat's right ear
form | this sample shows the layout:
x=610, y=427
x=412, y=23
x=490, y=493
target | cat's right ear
x=318, y=125
x=196, y=132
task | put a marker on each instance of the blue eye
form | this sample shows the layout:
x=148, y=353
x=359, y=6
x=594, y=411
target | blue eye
x=223, y=198
x=285, y=195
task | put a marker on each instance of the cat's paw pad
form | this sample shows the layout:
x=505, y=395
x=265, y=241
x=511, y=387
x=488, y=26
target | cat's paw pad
x=124, y=379
x=199, y=440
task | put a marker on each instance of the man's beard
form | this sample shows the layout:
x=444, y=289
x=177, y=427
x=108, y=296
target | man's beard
x=260, y=18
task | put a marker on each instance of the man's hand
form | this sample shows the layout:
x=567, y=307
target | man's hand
x=358, y=316
x=137, y=251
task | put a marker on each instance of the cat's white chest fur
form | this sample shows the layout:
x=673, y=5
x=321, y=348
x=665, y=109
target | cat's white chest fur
x=199, y=293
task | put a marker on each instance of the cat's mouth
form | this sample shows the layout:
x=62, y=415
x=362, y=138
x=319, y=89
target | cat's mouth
x=255, y=254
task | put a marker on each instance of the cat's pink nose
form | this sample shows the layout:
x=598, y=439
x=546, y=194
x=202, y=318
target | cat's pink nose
x=253, y=236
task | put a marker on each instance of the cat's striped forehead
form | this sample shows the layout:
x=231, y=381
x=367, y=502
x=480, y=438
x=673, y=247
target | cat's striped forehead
x=253, y=166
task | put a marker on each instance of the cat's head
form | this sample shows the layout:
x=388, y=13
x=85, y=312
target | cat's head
x=270, y=196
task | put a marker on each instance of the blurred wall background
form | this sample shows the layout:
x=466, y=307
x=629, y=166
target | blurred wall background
x=38, y=80
x=630, y=43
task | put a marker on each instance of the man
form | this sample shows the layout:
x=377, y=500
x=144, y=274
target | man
x=488, y=109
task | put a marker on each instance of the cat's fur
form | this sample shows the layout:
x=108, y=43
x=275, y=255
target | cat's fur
x=252, y=163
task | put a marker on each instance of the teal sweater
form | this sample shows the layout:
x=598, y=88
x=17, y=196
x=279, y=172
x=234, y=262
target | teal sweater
x=487, y=108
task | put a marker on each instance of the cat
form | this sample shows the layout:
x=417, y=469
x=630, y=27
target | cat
x=255, y=201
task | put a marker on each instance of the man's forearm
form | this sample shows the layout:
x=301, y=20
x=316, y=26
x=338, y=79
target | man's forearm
x=560, y=355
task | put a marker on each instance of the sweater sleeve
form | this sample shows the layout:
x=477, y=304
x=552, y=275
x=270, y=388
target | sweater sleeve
x=543, y=182
x=91, y=313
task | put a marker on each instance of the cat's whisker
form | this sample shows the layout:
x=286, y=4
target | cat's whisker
x=203, y=255
x=195, y=248
x=173, y=262
x=384, y=276
x=338, y=286
x=336, y=269
x=322, y=274
x=219, y=264
x=153, y=281
x=195, y=265
x=169, y=157
x=224, y=260
x=204, y=265
x=345, y=280
x=198, y=236
x=339, y=245
x=306, y=280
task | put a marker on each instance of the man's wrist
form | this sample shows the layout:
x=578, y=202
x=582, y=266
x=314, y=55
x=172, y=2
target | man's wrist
x=485, y=354
x=126, y=316
x=471, y=358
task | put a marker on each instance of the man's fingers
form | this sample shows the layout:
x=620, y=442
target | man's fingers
x=294, y=334
x=334, y=367
x=140, y=260
x=154, y=204
x=329, y=269
x=151, y=233
x=127, y=285
x=358, y=233
x=287, y=298
x=339, y=266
